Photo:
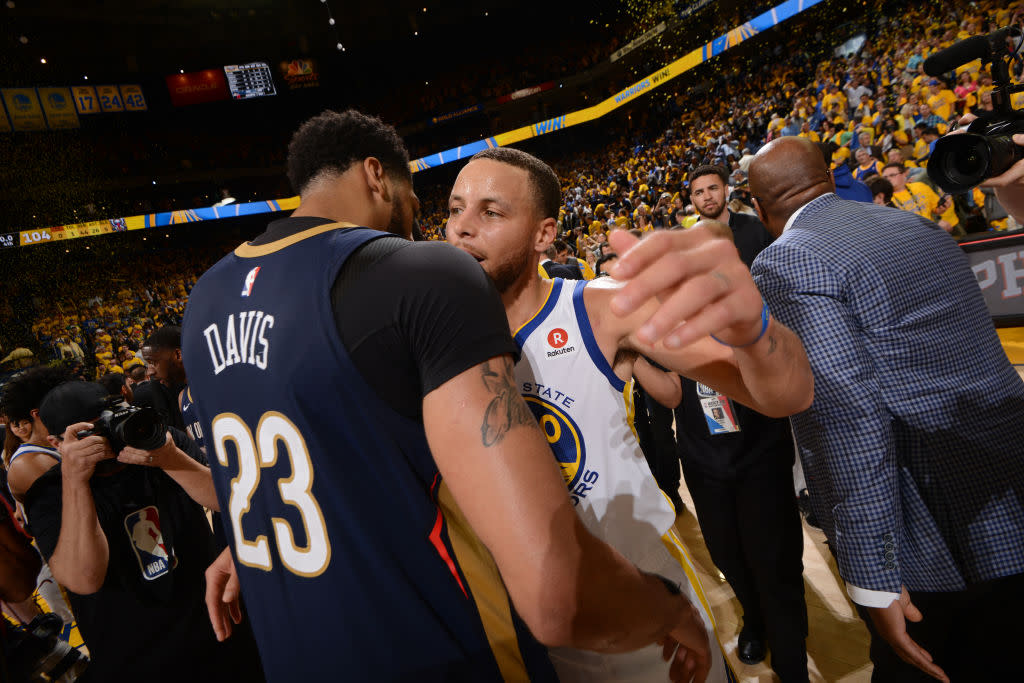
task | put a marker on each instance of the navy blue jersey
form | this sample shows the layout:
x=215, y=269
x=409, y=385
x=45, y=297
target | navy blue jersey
x=191, y=419
x=354, y=561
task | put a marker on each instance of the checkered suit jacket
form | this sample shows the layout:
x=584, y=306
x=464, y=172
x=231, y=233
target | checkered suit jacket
x=914, y=446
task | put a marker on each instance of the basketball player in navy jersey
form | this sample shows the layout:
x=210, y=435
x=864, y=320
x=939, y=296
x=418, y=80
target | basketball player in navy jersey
x=579, y=341
x=395, y=515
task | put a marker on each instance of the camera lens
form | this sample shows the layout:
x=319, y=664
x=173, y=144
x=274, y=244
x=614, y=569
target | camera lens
x=960, y=162
x=142, y=429
x=970, y=165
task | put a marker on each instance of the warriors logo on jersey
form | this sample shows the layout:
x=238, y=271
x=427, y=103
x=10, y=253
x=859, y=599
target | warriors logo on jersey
x=567, y=443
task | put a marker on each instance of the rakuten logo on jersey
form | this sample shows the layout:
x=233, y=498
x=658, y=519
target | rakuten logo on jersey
x=557, y=339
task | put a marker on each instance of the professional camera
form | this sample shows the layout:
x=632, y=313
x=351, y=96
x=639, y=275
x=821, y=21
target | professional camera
x=127, y=425
x=964, y=160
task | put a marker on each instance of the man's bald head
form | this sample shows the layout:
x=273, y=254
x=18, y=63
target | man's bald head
x=784, y=175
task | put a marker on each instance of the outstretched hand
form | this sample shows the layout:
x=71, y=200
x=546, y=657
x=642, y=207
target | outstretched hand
x=702, y=285
x=158, y=457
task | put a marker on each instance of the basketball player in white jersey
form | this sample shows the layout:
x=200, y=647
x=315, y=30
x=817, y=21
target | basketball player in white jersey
x=578, y=353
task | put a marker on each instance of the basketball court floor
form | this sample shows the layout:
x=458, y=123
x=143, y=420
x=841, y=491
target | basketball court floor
x=837, y=645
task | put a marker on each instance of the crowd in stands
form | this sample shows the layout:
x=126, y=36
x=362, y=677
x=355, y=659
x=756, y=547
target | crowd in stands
x=872, y=109
x=875, y=113
x=99, y=317
x=105, y=172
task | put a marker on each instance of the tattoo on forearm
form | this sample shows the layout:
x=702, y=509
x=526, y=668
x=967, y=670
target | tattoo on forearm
x=507, y=409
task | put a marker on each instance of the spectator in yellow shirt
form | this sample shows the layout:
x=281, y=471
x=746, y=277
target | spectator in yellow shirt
x=806, y=132
x=919, y=198
x=833, y=96
x=941, y=99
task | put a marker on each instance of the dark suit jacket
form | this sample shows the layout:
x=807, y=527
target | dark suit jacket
x=566, y=272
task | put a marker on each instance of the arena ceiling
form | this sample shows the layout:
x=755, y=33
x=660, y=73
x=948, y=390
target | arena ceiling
x=158, y=36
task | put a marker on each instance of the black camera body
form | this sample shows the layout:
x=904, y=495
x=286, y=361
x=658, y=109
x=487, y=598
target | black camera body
x=127, y=425
x=962, y=161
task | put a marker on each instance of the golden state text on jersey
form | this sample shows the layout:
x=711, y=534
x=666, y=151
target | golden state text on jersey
x=564, y=436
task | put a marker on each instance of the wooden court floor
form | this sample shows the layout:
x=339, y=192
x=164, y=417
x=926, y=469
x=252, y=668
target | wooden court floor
x=837, y=644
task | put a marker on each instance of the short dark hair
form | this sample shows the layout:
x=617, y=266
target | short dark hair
x=708, y=169
x=897, y=165
x=879, y=185
x=603, y=260
x=25, y=392
x=167, y=337
x=113, y=382
x=332, y=141
x=544, y=180
x=133, y=373
x=560, y=245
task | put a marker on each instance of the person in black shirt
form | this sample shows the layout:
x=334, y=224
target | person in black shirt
x=738, y=467
x=166, y=375
x=127, y=536
x=709, y=187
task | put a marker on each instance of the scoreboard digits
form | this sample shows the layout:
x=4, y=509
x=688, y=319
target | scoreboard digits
x=250, y=80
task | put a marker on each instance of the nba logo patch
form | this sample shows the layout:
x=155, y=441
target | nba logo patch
x=143, y=527
x=250, y=279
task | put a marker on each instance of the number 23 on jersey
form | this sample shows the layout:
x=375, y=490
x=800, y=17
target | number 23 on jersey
x=296, y=490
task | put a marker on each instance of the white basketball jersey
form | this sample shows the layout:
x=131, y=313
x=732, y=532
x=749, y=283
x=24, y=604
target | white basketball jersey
x=586, y=412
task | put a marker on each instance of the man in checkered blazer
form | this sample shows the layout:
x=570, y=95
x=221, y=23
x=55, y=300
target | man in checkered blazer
x=914, y=445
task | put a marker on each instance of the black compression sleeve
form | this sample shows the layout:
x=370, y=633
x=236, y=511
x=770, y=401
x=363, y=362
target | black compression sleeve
x=414, y=315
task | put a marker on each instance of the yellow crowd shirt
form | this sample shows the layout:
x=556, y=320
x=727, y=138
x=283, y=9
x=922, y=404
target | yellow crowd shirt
x=922, y=200
x=942, y=103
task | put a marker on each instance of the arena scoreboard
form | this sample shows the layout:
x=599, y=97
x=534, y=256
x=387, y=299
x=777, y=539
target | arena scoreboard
x=250, y=80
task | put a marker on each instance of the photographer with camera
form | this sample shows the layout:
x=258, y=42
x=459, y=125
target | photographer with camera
x=1008, y=185
x=121, y=522
x=987, y=149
